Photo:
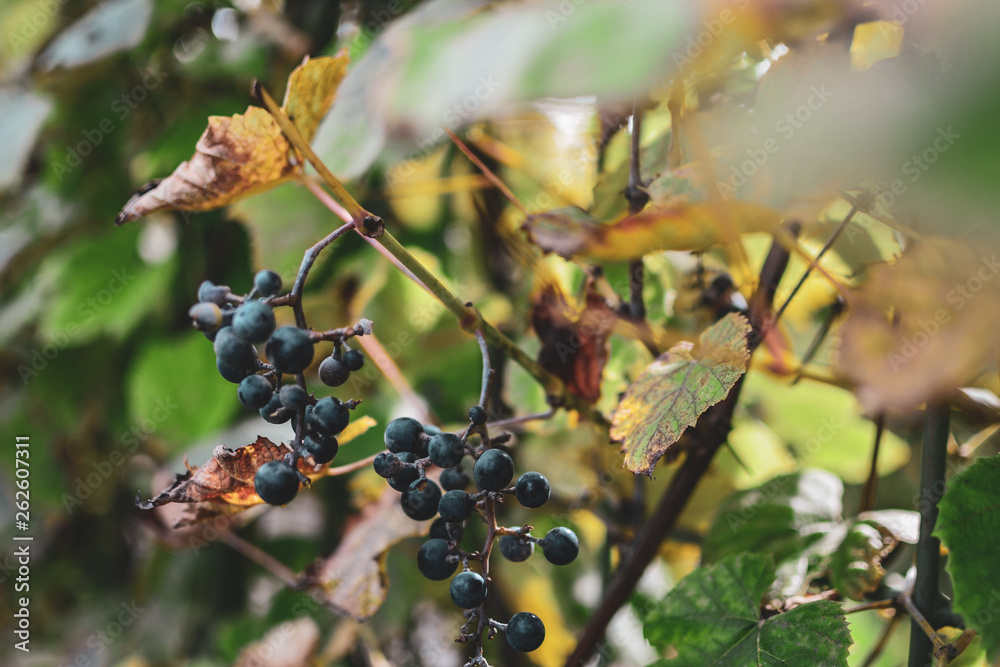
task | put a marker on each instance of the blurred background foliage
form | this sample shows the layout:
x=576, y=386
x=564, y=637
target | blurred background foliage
x=101, y=368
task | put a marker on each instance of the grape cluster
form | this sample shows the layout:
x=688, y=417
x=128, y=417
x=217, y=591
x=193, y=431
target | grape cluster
x=411, y=449
x=236, y=325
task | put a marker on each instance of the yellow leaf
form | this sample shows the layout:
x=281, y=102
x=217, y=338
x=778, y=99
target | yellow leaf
x=244, y=154
x=682, y=225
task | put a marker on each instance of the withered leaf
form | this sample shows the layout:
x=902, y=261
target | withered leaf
x=677, y=225
x=574, y=342
x=353, y=581
x=224, y=485
x=245, y=153
x=674, y=390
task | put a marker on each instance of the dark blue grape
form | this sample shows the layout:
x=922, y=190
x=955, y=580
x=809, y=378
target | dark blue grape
x=532, y=490
x=421, y=504
x=276, y=482
x=255, y=391
x=407, y=475
x=456, y=506
x=403, y=435
x=209, y=292
x=254, y=321
x=477, y=415
x=329, y=416
x=354, y=360
x=446, y=450
x=439, y=529
x=268, y=283
x=453, y=478
x=205, y=317
x=560, y=546
x=290, y=350
x=387, y=464
x=493, y=470
x=525, y=632
x=274, y=412
x=234, y=374
x=293, y=397
x=232, y=349
x=516, y=549
x=432, y=560
x=322, y=448
x=468, y=590
x=333, y=373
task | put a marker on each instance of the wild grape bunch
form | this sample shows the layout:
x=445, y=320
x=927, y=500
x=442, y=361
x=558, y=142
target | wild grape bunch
x=413, y=448
x=236, y=325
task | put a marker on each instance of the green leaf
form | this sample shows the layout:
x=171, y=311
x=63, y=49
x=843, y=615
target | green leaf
x=175, y=391
x=969, y=525
x=782, y=518
x=673, y=391
x=713, y=617
x=105, y=288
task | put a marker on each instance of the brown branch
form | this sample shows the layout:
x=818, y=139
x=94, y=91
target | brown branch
x=708, y=436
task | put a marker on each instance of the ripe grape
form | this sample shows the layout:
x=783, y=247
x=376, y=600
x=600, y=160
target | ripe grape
x=293, y=397
x=560, y=546
x=453, y=478
x=353, y=359
x=276, y=482
x=525, y=632
x=232, y=349
x=290, y=350
x=333, y=373
x=456, y=506
x=532, y=490
x=493, y=470
x=205, y=316
x=407, y=475
x=322, y=448
x=432, y=560
x=387, y=464
x=268, y=283
x=329, y=416
x=446, y=450
x=274, y=412
x=254, y=321
x=234, y=374
x=209, y=292
x=403, y=435
x=468, y=589
x=516, y=549
x=477, y=415
x=255, y=391
x=421, y=504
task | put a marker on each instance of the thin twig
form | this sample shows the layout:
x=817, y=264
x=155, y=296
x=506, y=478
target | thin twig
x=870, y=491
x=883, y=641
x=815, y=262
x=391, y=372
x=637, y=199
x=335, y=471
x=487, y=172
x=484, y=392
x=262, y=558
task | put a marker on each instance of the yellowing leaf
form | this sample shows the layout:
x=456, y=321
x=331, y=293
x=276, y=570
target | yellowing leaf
x=356, y=429
x=681, y=225
x=946, y=297
x=244, y=154
x=676, y=389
